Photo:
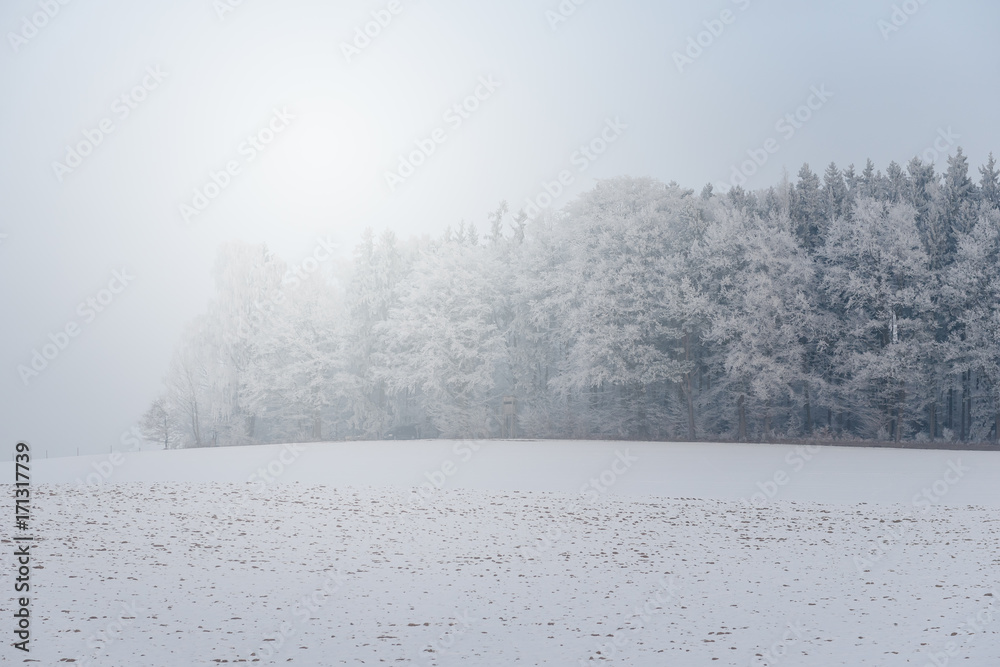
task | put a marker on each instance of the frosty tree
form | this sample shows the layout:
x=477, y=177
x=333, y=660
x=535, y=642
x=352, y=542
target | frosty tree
x=852, y=304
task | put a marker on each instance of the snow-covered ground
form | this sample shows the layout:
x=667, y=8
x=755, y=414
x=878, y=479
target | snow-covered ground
x=554, y=553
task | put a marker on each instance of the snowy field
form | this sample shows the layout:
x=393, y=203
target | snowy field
x=548, y=553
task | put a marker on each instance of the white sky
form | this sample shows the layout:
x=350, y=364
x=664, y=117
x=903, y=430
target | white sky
x=324, y=173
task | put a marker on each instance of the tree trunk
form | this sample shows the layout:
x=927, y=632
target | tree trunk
x=194, y=425
x=899, y=413
x=932, y=420
x=687, y=380
x=951, y=410
x=968, y=399
x=962, y=415
x=690, y=409
x=809, y=417
x=640, y=413
x=741, y=403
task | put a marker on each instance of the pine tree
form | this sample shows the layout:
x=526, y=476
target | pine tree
x=851, y=179
x=742, y=199
x=924, y=195
x=989, y=184
x=641, y=310
x=972, y=286
x=959, y=194
x=835, y=196
x=808, y=209
x=897, y=183
x=868, y=181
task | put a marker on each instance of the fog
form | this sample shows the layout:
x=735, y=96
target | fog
x=138, y=138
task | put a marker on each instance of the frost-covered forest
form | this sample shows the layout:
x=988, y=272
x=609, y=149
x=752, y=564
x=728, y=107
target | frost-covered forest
x=855, y=305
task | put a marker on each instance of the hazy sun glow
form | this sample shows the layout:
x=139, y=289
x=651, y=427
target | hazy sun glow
x=325, y=163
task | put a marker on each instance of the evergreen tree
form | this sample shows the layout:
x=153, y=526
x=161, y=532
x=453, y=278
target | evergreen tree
x=989, y=184
x=836, y=201
x=851, y=179
x=959, y=194
x=924, y=195
x=641, y=310
x=972, y=286
x=868, y=181
x=742, y=199
x=808, y=209
x=897, y=184
x=877, y=281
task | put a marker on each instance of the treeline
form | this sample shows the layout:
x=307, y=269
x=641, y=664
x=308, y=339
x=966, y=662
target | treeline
x=851, y=305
